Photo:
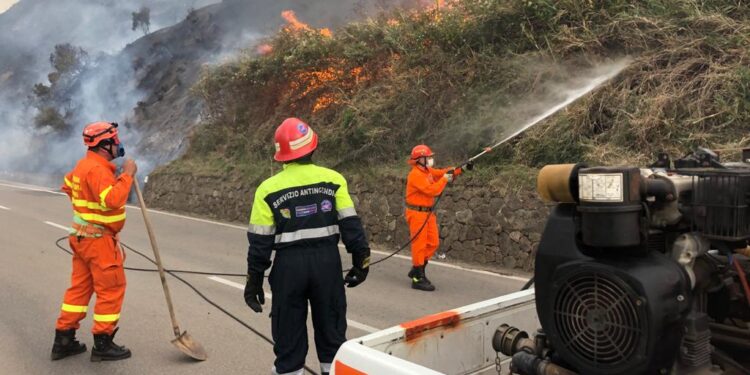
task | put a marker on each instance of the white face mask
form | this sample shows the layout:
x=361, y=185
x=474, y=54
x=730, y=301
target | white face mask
x=430, y=162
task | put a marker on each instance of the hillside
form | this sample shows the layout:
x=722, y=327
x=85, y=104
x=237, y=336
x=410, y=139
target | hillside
x=95, y=25
x=168, y=63
x=453, y=76
x=115, y=73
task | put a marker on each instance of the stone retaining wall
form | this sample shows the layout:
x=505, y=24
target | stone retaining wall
x=495, y=226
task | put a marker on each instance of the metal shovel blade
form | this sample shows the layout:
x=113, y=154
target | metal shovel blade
x=192, y=348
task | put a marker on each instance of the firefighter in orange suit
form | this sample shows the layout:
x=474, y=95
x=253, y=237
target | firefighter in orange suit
x=423, y=185
x=98, y=197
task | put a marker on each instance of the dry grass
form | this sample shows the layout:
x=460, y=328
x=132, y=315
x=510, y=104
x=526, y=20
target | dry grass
x=376, y=88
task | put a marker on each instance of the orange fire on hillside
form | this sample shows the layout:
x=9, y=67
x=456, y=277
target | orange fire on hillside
x=294, y=24
x=264, y=49
x=328, y=86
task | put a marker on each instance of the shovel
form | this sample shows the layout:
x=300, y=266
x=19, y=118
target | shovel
x=182, y=341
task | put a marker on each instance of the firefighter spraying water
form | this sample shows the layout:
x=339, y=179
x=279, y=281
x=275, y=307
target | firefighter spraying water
x=424, y=184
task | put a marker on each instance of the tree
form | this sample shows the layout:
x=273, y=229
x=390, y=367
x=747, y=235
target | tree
x=142, y=20
x=51, y=117
x=53, y=101
x=68, y=59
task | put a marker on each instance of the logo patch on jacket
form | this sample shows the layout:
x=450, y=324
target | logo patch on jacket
x=302, y=211
x=326, y=205
x=285, y=213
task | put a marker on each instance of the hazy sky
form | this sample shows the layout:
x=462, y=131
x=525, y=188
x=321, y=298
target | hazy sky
x=5, y=4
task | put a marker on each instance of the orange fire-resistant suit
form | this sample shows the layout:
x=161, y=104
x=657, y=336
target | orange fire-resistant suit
x=98, y=216
x=422, y=187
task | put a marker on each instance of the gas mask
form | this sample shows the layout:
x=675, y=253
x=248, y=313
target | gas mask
x=120, y=152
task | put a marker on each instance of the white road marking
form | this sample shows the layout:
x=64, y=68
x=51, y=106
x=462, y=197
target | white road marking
x=4, y=208
x=455, y=267
x=384, y=253
x=31, y=188
x=191, y=218
x=352, y=323
x=58, y=226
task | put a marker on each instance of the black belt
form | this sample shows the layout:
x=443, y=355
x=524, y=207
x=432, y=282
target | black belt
x=419, y=208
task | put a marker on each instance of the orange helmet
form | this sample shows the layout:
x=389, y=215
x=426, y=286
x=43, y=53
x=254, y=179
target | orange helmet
x=420, y=151
x=294, y=139
x=99, y=131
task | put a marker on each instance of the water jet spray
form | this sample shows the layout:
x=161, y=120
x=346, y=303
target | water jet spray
x=569, y=96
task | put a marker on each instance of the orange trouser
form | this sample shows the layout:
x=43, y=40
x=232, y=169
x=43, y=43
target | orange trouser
x=97, y=267
x=428, y=240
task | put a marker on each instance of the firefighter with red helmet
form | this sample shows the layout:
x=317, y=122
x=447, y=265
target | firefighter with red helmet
x=302, y=212
x=98, y=197
x=423, y=185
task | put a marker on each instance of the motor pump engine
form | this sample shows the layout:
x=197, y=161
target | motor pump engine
x=641, y=271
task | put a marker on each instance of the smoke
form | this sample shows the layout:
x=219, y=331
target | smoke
x=107, y=89
x=141, y=83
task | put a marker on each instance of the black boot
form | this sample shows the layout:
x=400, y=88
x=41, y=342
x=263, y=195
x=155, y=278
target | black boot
x=420, y=282
x=106, y=350
x=66, y=345
x=413, y=272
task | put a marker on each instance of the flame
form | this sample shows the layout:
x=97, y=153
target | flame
x=294, y=24
x=264, y=49
x=329, y=86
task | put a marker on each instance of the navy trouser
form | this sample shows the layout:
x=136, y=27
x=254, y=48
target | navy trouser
x=299, y=276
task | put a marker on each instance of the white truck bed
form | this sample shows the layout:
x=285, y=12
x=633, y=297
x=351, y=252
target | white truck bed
x=457, y=342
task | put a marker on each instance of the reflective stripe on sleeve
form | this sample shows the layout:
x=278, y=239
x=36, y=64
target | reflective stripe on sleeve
x=103, y=196
x=263, y=230
x=304, y=234
x=74, y=308
x=347, y=212
x=67, y=182
x=106, y=317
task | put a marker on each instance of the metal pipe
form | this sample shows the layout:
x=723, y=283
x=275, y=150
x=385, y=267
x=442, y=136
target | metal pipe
x=729, y=329
x=718, y=338
x=529, y=364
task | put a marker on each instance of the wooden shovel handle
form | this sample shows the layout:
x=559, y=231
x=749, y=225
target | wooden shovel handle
x=159, y=265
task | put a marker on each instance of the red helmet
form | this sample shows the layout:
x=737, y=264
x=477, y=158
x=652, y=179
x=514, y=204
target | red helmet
x=99, y=131
x=294, y=139
x=420, y=151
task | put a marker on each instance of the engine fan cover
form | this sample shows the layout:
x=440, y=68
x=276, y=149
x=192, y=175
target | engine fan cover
x=619, y=314
x=599, y=319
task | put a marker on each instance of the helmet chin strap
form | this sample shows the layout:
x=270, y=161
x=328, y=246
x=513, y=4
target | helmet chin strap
x=110, y=152
x=422, y=161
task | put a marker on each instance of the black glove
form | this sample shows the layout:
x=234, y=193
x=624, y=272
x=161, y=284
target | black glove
x=359, y=271
x=254, y=296
x=468, y=166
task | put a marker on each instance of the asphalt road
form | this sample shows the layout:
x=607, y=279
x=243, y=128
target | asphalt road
x=34, y=274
